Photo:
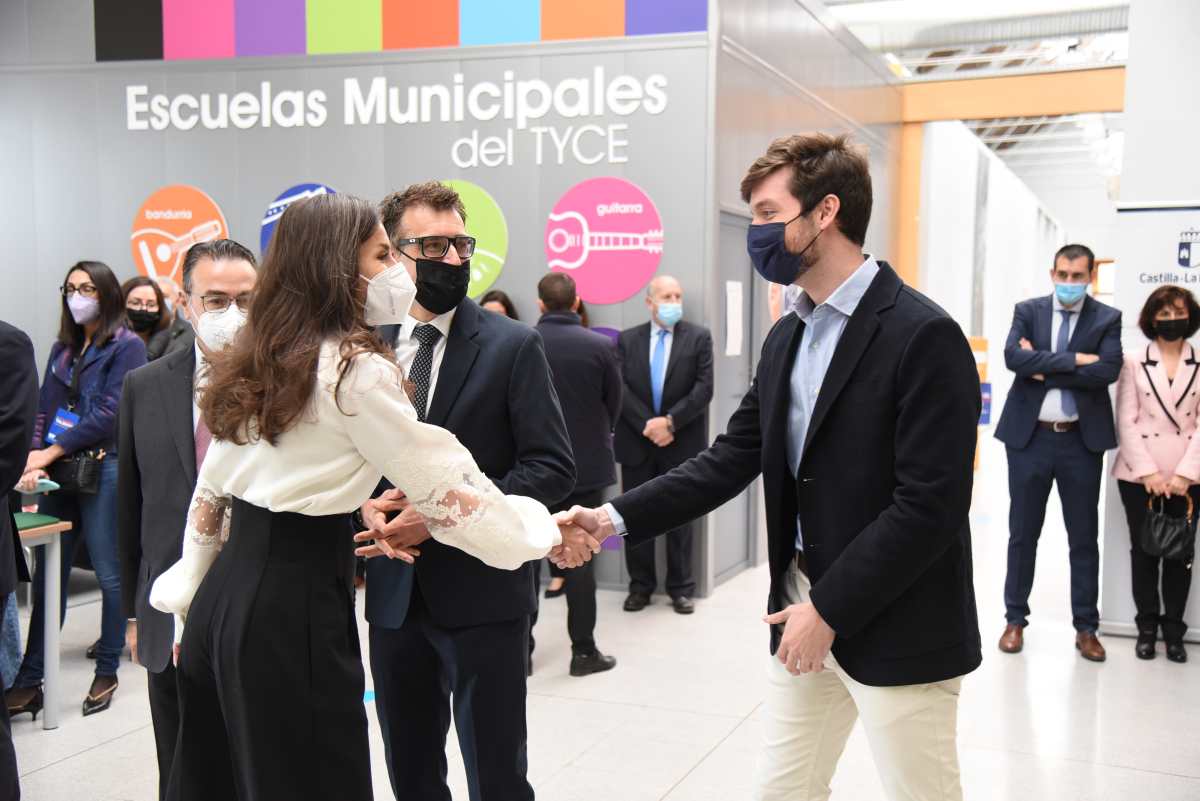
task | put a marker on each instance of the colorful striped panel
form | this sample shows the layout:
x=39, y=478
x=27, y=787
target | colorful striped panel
x=571, y=19
x=271, y=27
x=344, y=26
x=128, y=30
x=419, y=23
x=665, y=16
x=492, y=22
x=197, y=29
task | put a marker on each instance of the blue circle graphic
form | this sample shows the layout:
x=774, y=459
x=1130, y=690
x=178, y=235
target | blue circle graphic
x=280, y=204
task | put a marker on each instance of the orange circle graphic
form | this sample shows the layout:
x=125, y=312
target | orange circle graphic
x=170, y=221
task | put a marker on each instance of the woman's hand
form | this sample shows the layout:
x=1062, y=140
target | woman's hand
x=1155, y=483
x=28, y=482
x=1178, y=485
x=40, y=460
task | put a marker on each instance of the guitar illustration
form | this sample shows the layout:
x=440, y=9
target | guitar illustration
x=161, y=252
x=571, y=241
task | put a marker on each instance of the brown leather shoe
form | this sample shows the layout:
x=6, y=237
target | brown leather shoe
x=1089, y=647
x=1013, y=639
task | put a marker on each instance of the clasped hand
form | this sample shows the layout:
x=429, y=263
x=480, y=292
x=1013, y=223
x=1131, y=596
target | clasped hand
x=396, y=538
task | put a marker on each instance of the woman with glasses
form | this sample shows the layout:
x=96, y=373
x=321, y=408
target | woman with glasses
x=77, y=415
x=146, y=312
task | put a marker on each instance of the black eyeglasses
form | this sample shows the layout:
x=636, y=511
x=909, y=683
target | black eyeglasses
x=219, y=303
x=435, y=247
x=87, y=290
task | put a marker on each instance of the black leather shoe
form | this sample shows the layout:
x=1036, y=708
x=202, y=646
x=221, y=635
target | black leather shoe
x=549, y=593
x=99, y=697
x=1145, y=646
x=20, y=700
x=1176, y=652
x=595, y=662
x=683, y=605
x=636, y=602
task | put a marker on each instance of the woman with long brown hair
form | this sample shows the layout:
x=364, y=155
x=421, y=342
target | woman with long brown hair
x=307, y=411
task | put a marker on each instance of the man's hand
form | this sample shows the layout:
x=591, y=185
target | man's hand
x=595, y=522
x=131, y=638
x=577, y=546
x=1178, y=485
x=395, y=539
x=1026, y=344
x=806, y=641
x=1082, y=359
x=1155, y=483
x=658, y=431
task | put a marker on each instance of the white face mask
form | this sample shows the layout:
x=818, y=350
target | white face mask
x=389, y=296
x=218, y=329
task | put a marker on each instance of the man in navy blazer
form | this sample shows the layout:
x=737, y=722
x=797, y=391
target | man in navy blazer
x=1057, y=423
x=450, y=634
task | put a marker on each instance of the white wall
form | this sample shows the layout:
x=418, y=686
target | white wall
x=1081, y=204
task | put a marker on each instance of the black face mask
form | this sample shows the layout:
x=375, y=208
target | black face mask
x=441, y=286
x=1171, y=330
x=141, y=320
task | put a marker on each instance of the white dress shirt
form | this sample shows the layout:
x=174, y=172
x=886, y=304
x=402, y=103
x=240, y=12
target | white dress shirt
x=406, y=348
x=330, y=462
x=1052, y=410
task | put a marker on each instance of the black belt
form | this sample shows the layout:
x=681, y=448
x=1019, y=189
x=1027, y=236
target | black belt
x=1058, y=428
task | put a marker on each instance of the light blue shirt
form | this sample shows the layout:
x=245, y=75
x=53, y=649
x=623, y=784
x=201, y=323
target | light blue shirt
x=1052, y=408
x=823, y=327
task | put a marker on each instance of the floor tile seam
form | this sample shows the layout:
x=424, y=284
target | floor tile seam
x=709, y=753
x=80, y=753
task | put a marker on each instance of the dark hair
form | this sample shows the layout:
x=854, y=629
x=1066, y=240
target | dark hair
x=112, y=307
x=164, y=319
x=309, y=291
x=433, y=194
x=821, y=165
x=1163, y=297
x=557, y=292
x=1073, y=252
x=217, y=250
x=501, y=297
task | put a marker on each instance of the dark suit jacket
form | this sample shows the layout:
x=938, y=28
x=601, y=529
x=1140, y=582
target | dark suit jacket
x=687, y=390
x=495, y=394
x=1097, y=331
x=157, y=474
x=587, y=378
x=179, y=336
x=18, y=409
x=883, y=490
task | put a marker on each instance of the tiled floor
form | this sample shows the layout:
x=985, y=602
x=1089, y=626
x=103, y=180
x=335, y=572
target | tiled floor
x=678, y=719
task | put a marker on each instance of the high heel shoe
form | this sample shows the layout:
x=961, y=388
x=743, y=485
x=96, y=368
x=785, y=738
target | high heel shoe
x=100, y=696
x=24, y=699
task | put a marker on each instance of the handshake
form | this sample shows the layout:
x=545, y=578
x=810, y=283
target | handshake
x=583, y=531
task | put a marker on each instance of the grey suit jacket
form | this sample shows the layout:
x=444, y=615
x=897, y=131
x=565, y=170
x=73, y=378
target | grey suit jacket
x=157, y=457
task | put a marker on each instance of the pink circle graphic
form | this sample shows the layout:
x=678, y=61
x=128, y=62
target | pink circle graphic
x=607, y=235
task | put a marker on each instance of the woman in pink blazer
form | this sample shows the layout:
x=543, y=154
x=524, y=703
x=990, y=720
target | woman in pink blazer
x=1158, y=403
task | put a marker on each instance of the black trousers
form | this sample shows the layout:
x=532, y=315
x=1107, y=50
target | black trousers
x=10, y=783
x=164, y=715
x=643, y=576
x=579, y=586
x=1144, y=568
x=1063, y=459
x=422, y=673
x=270, y=674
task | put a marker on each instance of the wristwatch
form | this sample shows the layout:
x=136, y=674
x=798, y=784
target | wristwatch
x=671, y=424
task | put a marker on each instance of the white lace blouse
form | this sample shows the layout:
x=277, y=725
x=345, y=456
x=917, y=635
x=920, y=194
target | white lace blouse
x=330, y=463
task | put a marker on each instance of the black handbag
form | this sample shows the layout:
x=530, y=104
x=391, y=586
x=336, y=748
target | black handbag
x=1169, y=536
x=78, y=473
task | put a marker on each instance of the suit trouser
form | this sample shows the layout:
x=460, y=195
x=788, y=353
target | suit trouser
x=164, y=715
x=1049, y=458
x=579, y=586
x=1143, y=568
x=639, y=560
x=912, y=730
x=423, y=670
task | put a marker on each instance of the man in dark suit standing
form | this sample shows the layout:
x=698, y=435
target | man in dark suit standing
x=180, y=334
x=451, y=630
x=862, y=421
x=1057, y=423
x=667, y=364
x=163, y=440
x=588, y=381
x=18, y=407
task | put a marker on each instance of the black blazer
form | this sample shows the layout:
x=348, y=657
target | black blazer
x=495, y=394
x=157, y=474
x=587, y=378
x=1097, y=331
x=883, y=491
x=18, y=410
x=687, y=390
x=178, y=336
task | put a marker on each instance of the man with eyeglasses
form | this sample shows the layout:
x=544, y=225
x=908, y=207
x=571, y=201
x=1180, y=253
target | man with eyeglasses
x=162, y=443
x=451, y=632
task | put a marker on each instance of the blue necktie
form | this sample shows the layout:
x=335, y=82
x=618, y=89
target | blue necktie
x=1064, y=337
x=658, y=369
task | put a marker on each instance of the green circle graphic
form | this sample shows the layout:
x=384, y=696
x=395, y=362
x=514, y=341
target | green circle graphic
x=485, y=222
